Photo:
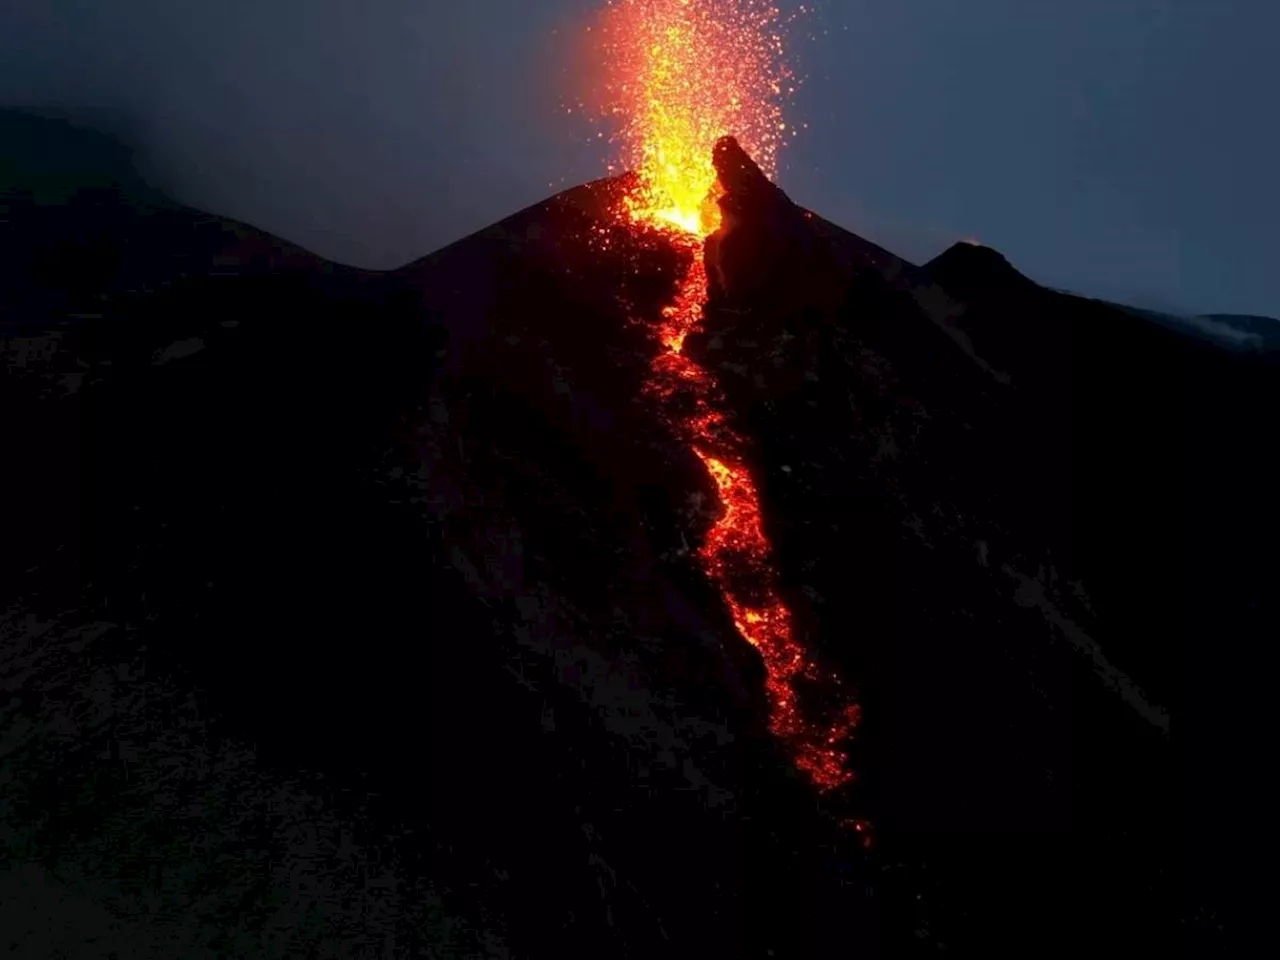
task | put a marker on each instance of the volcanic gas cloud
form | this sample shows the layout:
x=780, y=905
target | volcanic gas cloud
x=680, y=75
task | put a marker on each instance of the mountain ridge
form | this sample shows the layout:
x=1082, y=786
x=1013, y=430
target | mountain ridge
x=229, y=458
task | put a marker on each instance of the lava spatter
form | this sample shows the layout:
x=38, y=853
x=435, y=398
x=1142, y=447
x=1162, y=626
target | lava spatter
x=682, y=74
x=679, y=75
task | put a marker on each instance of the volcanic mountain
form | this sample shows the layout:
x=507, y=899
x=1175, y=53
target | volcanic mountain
x=353, y=613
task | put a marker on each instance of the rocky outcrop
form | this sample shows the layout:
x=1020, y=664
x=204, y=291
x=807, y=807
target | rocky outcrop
x=764, y=247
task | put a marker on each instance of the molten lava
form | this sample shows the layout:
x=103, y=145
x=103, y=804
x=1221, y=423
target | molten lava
x=736, y=554
x=682, y=75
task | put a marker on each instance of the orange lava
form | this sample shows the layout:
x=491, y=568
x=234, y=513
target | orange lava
x=681, y=75
x=737, y=555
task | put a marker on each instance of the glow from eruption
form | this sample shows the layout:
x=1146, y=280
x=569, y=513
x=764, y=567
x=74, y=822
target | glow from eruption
x=681, y=74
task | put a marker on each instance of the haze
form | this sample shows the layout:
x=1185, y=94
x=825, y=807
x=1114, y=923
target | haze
x=1118, y=148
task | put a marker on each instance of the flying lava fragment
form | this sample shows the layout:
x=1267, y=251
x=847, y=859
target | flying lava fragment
x=680, y=75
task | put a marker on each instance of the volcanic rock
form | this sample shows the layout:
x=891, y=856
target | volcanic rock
x=356, y=613
x=764, y=255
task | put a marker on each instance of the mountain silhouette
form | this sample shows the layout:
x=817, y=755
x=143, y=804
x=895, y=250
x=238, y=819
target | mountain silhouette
x=353, y=613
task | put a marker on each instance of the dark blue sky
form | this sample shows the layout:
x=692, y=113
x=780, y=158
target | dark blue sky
x=1121, y=148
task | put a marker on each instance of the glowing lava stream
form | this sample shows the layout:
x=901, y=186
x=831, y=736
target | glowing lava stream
x=737, y=555
x=679, y=75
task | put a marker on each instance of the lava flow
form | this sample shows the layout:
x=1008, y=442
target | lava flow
x=682, y=74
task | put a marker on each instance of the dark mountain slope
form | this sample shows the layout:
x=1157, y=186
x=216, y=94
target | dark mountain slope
x=376, y=590
x=410, y=553
x=1173, y=514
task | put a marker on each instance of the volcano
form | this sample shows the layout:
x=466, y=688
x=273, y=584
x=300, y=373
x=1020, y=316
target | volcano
x=356, y=613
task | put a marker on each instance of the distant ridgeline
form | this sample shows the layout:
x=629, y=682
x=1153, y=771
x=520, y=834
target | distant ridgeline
x=53, y=158
x=1233, y=331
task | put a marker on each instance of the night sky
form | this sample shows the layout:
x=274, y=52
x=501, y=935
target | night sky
x=1118, y=148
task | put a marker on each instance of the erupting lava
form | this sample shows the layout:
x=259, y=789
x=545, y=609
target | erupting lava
x=682, y=74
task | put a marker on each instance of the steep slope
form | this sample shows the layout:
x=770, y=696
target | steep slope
x=408, y=548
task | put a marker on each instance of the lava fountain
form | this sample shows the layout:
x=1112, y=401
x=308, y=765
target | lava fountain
x=680, y=75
